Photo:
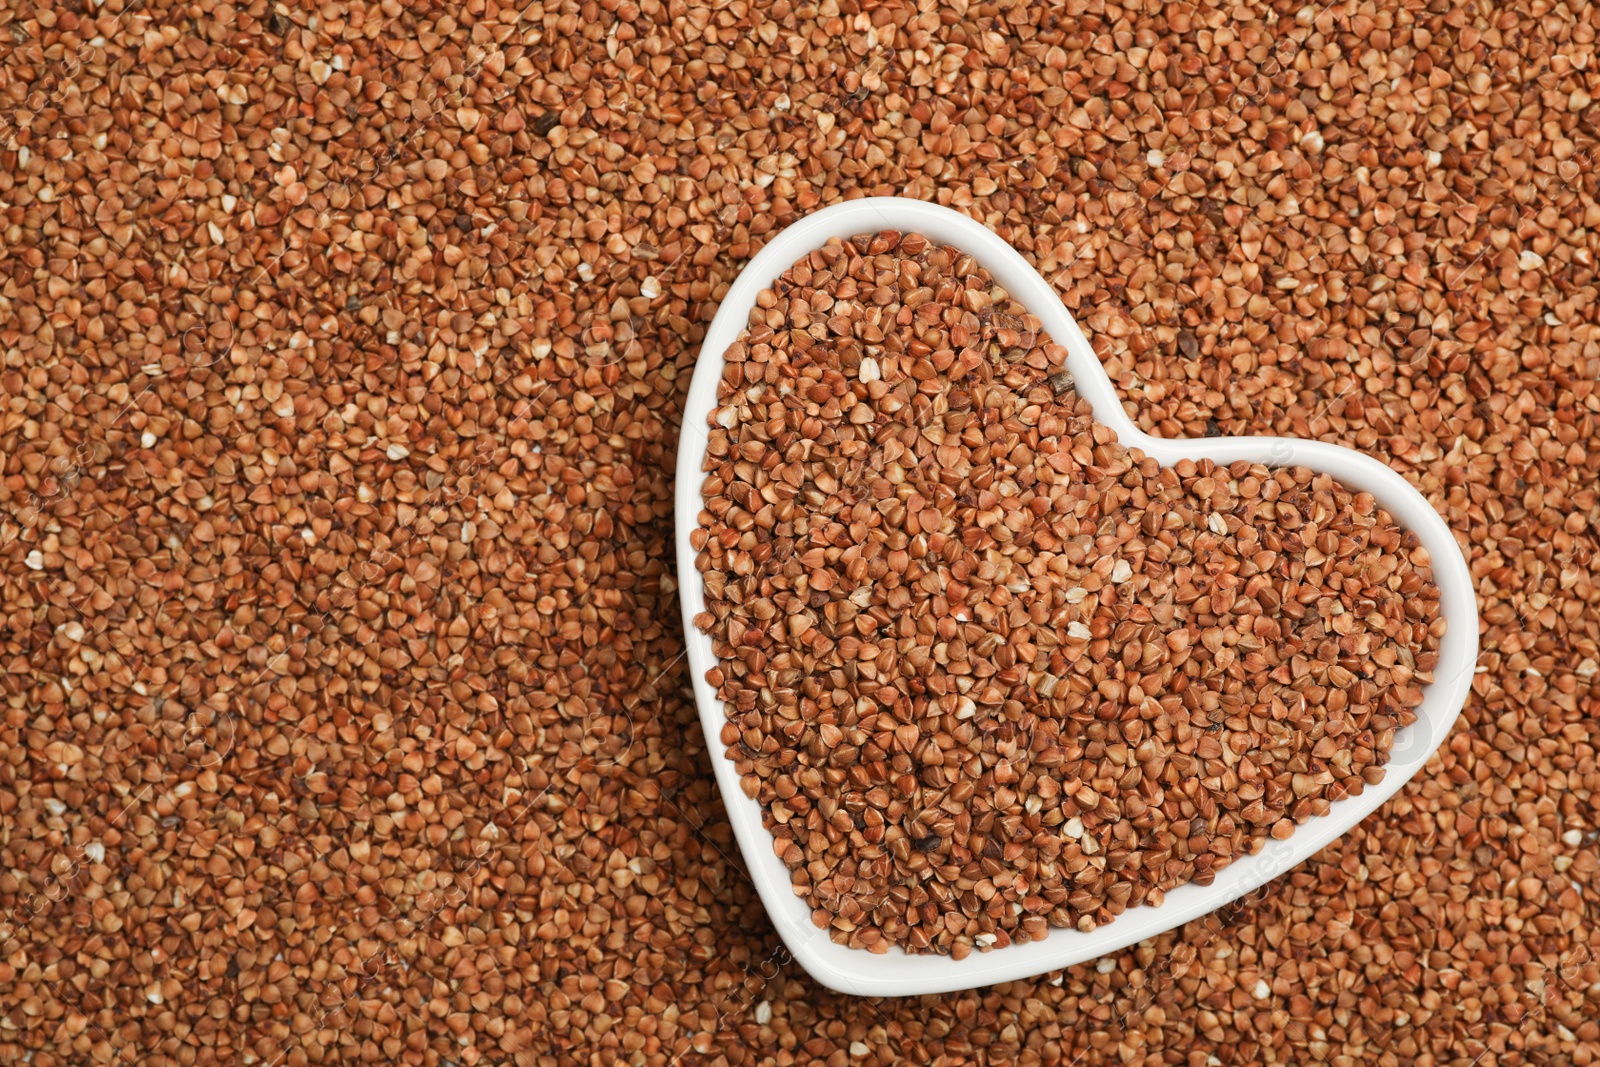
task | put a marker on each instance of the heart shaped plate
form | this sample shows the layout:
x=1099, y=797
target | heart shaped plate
x=897, y=973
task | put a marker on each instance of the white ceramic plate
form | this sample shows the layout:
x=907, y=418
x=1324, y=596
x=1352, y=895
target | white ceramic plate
x=897, y=973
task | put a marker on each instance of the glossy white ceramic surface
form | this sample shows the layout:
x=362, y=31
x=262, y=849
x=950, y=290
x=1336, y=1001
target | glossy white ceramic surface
x=896, y=973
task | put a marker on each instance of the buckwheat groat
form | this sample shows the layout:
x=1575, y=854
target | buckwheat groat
x=989, y=671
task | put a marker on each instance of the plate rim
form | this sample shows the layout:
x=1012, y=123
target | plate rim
x=896, y=973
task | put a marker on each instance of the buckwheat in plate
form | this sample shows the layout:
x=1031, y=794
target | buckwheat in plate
x=942, y=819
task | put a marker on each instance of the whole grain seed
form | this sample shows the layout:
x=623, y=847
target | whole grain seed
x=989, y=671
x=1295, y=220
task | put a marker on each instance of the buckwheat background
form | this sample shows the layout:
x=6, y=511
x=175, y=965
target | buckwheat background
x=345, y=711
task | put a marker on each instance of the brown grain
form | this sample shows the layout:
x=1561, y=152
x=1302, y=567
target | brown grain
x=248, y=236
x=989, y=671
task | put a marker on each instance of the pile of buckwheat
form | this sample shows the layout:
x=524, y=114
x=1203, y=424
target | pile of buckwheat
x=342, y=356
x=989, y=671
